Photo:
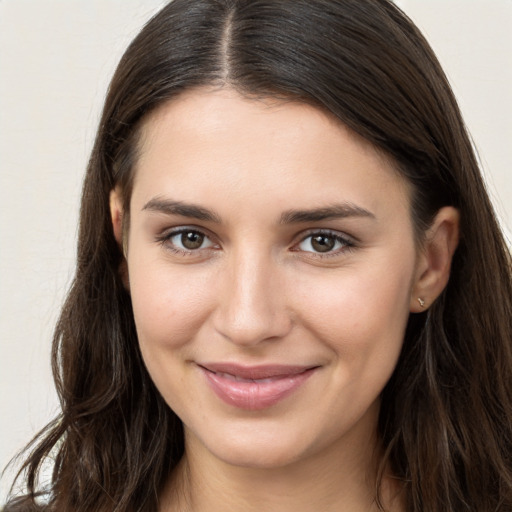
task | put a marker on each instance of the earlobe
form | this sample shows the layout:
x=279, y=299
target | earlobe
x=435, y=258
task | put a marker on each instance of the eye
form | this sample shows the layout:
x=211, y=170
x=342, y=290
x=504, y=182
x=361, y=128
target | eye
x=324, y=242
x=186, y=240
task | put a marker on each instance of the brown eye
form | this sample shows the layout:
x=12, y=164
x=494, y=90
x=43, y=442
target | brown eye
x=187, y=240
x=322, y=243
x=192, y=240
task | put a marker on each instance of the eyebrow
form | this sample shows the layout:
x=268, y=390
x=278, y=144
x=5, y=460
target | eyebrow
x=335, y=211
x=170, y=207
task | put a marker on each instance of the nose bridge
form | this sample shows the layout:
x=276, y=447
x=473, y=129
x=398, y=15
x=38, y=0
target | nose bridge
x=251, y=308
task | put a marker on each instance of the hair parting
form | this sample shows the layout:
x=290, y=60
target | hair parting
x=446, y=414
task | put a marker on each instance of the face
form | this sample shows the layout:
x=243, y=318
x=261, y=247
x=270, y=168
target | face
x=271, y=260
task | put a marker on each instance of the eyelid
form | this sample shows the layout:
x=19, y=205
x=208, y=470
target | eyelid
x=166, y=235
x=349, y=242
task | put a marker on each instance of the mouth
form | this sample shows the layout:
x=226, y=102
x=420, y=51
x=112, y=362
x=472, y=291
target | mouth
x=254, y=387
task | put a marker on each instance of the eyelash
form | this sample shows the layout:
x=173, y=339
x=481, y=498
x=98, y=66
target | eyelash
x=165, y=240
x=347, y=244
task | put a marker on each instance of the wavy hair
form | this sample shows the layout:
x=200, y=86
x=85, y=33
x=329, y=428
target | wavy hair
x=446, y=415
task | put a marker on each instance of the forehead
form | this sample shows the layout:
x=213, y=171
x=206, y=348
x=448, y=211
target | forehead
x=217, y=142
x=211, y=111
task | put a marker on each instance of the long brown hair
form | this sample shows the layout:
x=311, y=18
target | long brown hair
x=446, y=415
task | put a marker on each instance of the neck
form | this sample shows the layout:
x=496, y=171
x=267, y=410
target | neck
x=341, y=480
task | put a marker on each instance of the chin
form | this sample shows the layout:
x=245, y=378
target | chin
x=257, y=458
x=255, y=449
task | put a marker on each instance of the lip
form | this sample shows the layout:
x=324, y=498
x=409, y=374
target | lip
x=254, y=387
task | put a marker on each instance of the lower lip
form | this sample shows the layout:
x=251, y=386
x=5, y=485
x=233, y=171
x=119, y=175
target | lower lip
x=258, y=394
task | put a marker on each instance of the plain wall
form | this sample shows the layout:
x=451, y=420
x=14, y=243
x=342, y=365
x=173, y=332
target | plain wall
x=56, y=58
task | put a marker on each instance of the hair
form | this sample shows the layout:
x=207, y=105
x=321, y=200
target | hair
x=446, y=413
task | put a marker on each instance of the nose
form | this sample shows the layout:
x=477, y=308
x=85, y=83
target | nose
x=251, y=305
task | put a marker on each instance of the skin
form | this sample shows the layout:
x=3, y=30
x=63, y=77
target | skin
x=258, y=291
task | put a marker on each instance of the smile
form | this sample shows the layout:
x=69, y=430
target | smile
x=254, y=388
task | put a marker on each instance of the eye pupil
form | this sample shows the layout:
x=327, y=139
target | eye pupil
x=322, y=243
x=192, y=239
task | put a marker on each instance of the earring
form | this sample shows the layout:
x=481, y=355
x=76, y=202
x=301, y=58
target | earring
x=421, y=302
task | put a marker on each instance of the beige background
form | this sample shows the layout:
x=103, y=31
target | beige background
x=56, y=57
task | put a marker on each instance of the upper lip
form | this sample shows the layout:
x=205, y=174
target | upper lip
x=266, y=371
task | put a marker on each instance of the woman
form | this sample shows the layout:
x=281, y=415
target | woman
x=291, y=289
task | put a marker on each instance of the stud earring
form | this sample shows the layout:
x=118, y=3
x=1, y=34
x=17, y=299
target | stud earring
x=421, y=302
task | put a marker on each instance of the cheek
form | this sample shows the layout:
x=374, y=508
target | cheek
x=360, y=313
x=169, y=306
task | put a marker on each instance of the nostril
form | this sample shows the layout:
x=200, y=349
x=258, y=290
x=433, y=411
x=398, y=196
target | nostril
x=254, y=327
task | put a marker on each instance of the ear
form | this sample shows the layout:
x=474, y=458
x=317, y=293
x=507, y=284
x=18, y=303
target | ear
x=434, y=259
x=116, y=214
